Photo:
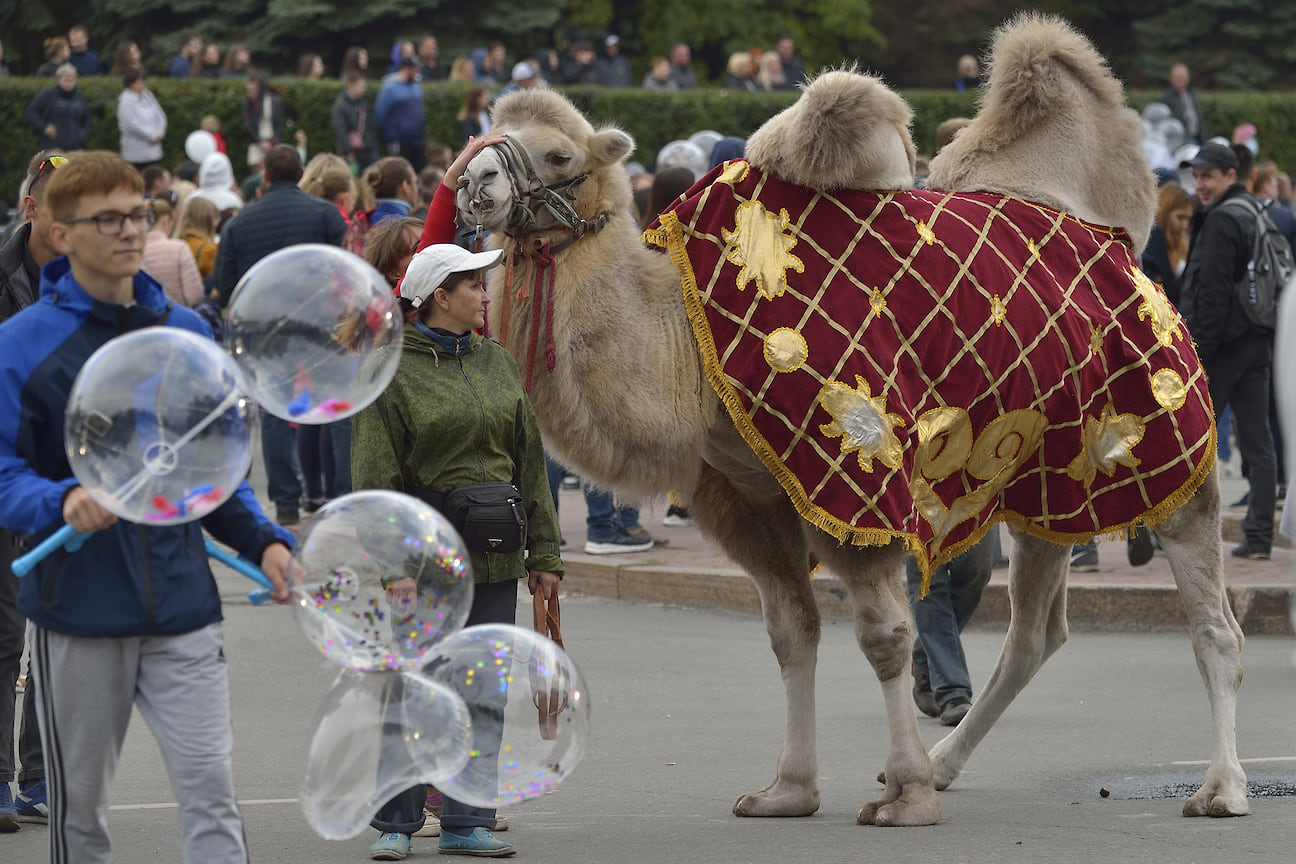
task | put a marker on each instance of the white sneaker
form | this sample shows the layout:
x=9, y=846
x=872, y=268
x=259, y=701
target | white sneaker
x=431, y=827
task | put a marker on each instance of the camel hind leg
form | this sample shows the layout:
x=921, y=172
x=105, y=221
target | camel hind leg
x=763, y=533
x=1190, y=538
x=884, y=629
x=1037, y=629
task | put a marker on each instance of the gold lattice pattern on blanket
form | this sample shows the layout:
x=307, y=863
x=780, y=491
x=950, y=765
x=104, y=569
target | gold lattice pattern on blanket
x=919, y=364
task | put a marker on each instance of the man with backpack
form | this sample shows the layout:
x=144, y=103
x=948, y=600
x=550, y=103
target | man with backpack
x=1229, y=298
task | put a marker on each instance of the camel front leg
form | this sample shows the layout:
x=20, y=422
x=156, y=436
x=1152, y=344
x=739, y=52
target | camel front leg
x=762, y=533
x=884, y=629
x=1190, y=539
x=1037, y=591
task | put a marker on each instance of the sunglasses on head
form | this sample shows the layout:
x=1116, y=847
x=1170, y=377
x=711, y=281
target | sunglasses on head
x=49, y=163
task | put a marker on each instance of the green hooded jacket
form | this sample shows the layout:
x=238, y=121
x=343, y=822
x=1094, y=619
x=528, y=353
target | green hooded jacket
x=449, y=419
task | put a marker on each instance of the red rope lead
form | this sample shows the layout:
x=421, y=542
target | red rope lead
x=544, y=275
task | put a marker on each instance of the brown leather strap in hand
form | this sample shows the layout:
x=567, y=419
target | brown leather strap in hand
x=551, y=697
x=547, y=616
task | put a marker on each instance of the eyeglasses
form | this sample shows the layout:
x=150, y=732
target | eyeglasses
x=112, y=223
x=49, y=163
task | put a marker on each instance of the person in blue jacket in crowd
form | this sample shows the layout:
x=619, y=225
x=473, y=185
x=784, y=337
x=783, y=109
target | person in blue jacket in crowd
x=133, y=617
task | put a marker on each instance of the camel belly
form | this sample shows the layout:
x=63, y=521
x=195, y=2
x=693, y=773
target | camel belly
x=920, y=364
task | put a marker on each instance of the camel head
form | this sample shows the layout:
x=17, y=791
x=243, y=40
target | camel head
x=847, y=131
x=556, y=173
x=1053, y=128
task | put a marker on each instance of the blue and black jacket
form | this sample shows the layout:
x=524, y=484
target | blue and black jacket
x=129, y=579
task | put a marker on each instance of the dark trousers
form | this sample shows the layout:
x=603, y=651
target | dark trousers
x=414, y=151
x=279, y=451
x=1239, y=377
x=12, y=629
x=940, y=617
x=493, y=603
x=324, y=453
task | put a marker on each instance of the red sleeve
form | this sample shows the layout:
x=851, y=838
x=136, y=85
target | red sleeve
x=440, y=224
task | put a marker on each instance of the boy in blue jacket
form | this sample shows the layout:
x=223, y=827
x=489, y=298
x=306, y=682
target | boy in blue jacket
x=133, y=618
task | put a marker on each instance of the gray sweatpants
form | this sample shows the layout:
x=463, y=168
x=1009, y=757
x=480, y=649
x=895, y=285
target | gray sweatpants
x=180, y=685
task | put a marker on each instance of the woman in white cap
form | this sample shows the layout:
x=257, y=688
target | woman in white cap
x=456, y=415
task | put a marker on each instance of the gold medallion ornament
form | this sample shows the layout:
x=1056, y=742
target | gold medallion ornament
x=998, y=311
x=762, y=247
x=785, y=350
x=1095, y=341
x=1168, y=389
x=1108, y=441
x=1156, y=308
x=877, y=301
x=926, y=234
x=862, y=422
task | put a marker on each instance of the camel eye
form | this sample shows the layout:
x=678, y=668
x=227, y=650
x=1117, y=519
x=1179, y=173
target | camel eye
x=559, y=160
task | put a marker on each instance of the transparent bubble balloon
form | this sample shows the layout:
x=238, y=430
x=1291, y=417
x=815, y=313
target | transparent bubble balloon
x=157, y=426
x=705, y=140
x=1284, y=384
x=199, y=144
x=1155, y=112
x=385, y=577
x=316, y=331
x=530, y=712
x=1173, y=131
x=683, y=154
x=375, y=736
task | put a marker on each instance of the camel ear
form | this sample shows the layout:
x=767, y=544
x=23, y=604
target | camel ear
x=609, y=146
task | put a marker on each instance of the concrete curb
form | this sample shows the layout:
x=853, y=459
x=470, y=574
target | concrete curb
x=1261, y=610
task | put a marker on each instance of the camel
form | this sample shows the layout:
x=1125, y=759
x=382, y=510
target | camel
x=604, y=327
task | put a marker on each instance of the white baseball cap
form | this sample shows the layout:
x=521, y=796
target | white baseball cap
x=524, y=70
x=429, y=269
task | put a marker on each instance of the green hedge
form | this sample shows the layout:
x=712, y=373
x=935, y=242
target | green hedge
x=653, y=118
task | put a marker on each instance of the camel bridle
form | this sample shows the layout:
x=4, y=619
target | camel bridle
x=531, y=197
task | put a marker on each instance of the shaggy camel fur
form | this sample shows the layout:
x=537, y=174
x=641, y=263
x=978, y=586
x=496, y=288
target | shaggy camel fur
x=621, y=395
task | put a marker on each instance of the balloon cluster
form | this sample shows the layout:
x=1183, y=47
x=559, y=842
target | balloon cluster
x=1165, y=143
x=693, y=153
x=158, y=431
x=491, y=715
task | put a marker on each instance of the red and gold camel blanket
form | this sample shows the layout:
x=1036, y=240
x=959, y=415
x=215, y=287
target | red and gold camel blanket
x=921, y=364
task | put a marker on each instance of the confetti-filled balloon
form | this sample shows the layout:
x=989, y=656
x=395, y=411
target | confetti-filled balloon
x=705, y=141
x=684, y=154
x=317, y=332
x=157, y=426
x=386, y=577
x=375, y=736
x=530, y=712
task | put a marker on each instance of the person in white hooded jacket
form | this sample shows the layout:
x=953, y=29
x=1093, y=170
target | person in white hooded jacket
x=216, y=182
x=141, y=119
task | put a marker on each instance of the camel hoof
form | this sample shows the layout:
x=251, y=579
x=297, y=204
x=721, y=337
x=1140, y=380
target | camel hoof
x=912, y=808
x=778, y=799
x=1216, y=806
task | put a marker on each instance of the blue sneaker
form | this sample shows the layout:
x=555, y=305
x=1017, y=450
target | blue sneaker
x=390, y=847
x=617, y=544
x=480, y=843
x=32, y=804
x=8, y=813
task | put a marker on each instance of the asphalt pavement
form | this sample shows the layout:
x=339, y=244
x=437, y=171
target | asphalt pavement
x=687, y=713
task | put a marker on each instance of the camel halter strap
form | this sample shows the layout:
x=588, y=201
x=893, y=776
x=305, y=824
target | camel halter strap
x=531, y=196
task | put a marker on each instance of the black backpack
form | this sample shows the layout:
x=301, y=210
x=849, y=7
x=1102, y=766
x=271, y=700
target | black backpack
x=1269, y=268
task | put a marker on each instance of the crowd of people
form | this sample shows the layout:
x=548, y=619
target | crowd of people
x=599, y=62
